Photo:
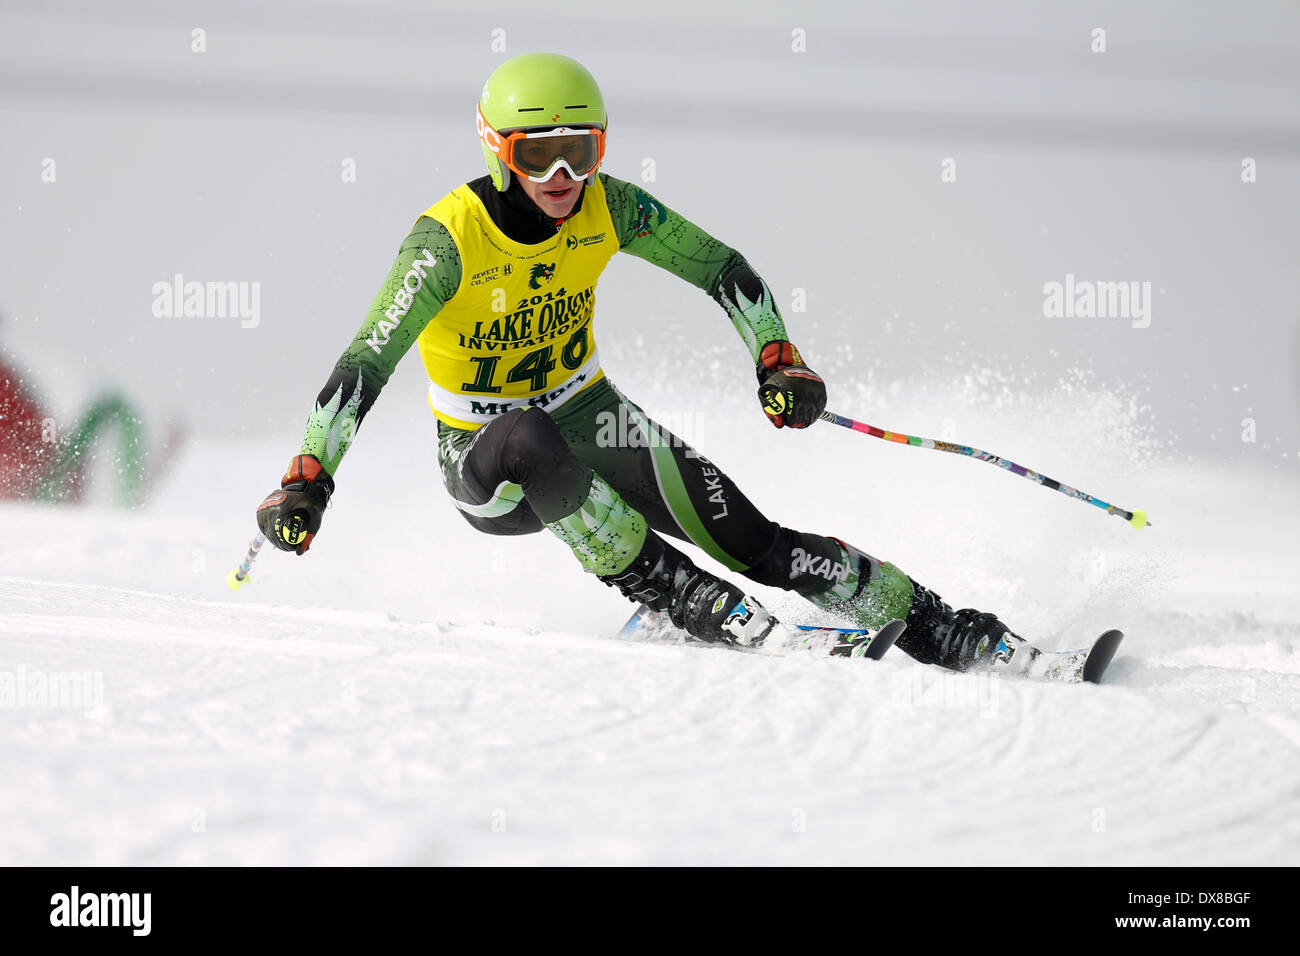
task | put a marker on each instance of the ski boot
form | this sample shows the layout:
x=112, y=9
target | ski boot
x=961, y=640
x=871, y=592
x=701, y=604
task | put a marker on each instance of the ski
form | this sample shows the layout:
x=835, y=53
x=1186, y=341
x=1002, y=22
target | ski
x=859, y=642
x=1085, y=664
x=783, y=639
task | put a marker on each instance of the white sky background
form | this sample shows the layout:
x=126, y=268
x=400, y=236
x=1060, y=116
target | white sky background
x=821, y=167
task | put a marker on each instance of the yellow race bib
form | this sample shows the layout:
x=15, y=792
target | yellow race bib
x=518, y=331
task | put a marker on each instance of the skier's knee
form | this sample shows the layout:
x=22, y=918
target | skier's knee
x=519, y=520
x=532, y=438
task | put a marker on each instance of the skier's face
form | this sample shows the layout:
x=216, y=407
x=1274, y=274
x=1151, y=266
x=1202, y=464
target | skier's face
x=556, y=197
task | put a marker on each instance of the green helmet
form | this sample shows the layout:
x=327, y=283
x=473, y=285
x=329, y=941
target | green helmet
x=536, y=89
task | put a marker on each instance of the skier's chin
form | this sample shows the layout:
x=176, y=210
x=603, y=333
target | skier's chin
x=558, y=201
x=556, y=197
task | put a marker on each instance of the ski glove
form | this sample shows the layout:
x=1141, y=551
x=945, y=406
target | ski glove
x=291, y=516
x=792, y=394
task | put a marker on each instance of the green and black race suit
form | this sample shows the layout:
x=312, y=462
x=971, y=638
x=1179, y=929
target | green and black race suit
x=501, y=304
x=500, y=301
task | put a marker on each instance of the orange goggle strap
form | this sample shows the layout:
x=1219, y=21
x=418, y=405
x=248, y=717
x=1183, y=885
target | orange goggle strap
x=503, y=146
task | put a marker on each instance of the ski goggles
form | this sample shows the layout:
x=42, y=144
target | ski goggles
x=537, y=155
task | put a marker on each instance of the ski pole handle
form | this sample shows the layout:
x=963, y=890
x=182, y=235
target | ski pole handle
x=1137, y=518
x=236, y=578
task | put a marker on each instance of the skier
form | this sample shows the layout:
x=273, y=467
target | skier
x=495, y=285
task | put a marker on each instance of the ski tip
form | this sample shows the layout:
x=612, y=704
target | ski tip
x=885, y=639
x=1102, y=653
x=634, y=622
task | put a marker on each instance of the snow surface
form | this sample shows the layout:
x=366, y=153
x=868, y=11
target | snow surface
x=413, y=692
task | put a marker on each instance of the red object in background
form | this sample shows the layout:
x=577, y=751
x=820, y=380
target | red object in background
x=23, y=452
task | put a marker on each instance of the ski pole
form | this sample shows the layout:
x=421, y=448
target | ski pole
x=236, y=578
x=1137, y=519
